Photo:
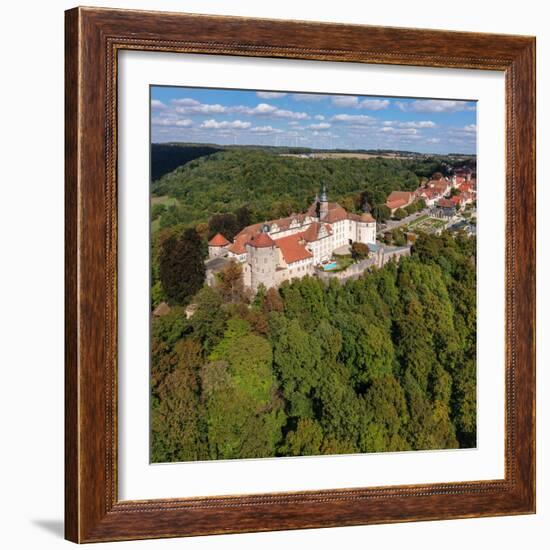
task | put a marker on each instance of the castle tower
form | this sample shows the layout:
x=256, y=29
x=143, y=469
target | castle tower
x=366, y=229
x=263, y=258
x=217, y=246
x=323, y=203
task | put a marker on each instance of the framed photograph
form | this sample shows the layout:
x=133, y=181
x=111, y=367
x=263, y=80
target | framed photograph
x=300, y=275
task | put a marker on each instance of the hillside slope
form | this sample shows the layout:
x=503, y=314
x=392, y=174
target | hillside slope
x=272, y=185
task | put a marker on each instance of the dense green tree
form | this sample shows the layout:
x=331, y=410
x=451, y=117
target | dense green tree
x=399, y=214
x=384, y=417
x=339, y=408
x=244, y=415
x=305, y=440
x=226, y=224
x=243, y=216
x=208, y=321
x=296, y=360
x=178, y=430
x=359, y=251
x=230, y=282
x=367, y=349
x=181, y=266
x=464, y=403
x=381, y=212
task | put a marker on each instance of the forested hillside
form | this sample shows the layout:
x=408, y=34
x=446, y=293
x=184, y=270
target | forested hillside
x=166, y=157
x=383, y=363
x=272, y=186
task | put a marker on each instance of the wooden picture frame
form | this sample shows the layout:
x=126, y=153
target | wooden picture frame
x=93, y=511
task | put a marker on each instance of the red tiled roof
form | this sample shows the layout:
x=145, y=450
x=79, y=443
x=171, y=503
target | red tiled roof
x=335, y=214
x=366, y=217
x=262, y=240
x=218, y=240
x=397, y=203
x=456, y=199
x=293, y=248
x=445, y=203
x=238, y=246
x=312, y=232
x=429, y=193
x=282, y=223
x=465, y=186
x=407, y=196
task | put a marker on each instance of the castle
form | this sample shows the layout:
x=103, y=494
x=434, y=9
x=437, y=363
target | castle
x=290, y=248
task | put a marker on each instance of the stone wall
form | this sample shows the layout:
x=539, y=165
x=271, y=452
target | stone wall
x=377, y=259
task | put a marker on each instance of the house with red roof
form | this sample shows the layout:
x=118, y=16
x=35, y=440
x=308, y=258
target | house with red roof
x=429, y=195
x=445, y=208
x=399, y=199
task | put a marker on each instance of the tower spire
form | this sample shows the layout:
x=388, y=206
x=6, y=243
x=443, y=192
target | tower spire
x=323, y=197
x=323, y=203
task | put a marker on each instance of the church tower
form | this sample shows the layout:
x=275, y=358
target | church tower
x=323, y=203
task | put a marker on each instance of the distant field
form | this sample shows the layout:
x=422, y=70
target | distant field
x=363, y=156
x=166, y=200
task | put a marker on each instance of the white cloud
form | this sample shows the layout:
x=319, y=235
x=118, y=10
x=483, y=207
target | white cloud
x=270, y=95
x=171, y=122
x=186, y=101
x=399, y=131
x=319, y=117
x=434, y=106
x=309, y=98
x=225, y=124
x=320, y=126
x=433, y=140
x=362, y=120
x=265, y=109
x=344, y=101
x=374, y=104
x=353, y=101
x=157, y=105
x=410, y=124
x=265, y=130
x=323, y=134
x=468, y=132
x=189, y=106
x=281, y=113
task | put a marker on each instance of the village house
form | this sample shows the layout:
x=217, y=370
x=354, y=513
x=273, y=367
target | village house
x=429, y=195
x=280, y=250
x=399, y=199
x=445, y=208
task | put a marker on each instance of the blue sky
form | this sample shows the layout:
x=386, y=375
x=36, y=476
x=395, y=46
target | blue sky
x=241, y=117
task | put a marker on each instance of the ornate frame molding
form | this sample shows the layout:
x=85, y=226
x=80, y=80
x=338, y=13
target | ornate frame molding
x=93, y=38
